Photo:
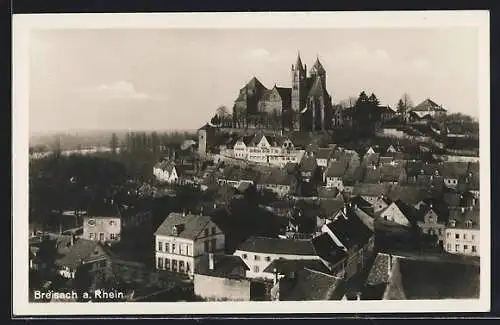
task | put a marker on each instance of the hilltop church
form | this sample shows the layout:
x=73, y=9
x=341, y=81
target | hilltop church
x=306, y=106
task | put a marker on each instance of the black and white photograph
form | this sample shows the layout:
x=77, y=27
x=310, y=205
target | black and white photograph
x=248, y=162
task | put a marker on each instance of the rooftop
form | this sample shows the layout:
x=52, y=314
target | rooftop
x=278, y=246
x=192, y=225
x=225, y=266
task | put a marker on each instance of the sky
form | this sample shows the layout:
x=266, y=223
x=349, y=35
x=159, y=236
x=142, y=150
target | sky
x=166, y=79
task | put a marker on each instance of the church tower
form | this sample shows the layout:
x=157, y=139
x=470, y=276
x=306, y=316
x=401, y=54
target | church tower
x=299, y=74
x=318, y=70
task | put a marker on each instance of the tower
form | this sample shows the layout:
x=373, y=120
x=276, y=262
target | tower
x=299, y=74
x=318, y=70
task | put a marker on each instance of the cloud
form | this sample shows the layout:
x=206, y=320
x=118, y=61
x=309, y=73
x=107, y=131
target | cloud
x=258, y=54
x=117, y=90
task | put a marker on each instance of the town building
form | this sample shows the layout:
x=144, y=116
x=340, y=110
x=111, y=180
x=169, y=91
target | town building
x=346, y=244
x=306, y=106
x=259, y=252
x=462, y=232
x=278, y=181
x=182, y=239
x=426, y=110
x=165, y=172
x=398, y=213
x=334, y=174
x=103, y=224
x=82, y=255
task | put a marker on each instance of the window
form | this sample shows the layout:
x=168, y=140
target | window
x=187, y=267
x=244, y=256
x=112, y=236
x=268, y=258
x=92, y=236
x=205, y=244
x=167, y=247
x=473, y=237
x=160, y=263
x=256, y=257
x=473, y=248
x=174, y=265
x=448, y=246
x=256, y=268
x=181, y=266
x=457, y=236
x=457, y=248
x=112, y=223
x=466, y=247
x=440, y=231
x=187, y=250
x=101, y=236
x=448, y=235
x=173, y=249
x=206, y=232
x=465, y=236
x=160, y=246
x=468, y=224
x=167, y=264
x=213, y=231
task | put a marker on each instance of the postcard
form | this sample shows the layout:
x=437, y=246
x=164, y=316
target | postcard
x=251, y=163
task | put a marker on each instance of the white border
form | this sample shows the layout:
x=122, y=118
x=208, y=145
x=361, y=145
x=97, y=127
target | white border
x=22, y=24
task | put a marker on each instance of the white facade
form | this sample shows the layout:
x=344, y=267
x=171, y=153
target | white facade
x=464, y=241
x=265, y=153
x=181, y=255
x=257, y=262
x=102, y=229
x=163, y=175
x=451, y=182
x=393, y=214
x=337, y=182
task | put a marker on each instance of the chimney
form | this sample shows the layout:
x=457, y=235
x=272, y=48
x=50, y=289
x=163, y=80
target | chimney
x=463, y=209
x=211, y=261
x=72, y=240
x=275, y=271
x=183, y=213
x=358, y=296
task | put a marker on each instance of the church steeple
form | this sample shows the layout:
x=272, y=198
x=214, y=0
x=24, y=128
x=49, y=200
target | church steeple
x=298, y=63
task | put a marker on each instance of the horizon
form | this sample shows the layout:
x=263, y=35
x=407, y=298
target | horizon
x=146, y=87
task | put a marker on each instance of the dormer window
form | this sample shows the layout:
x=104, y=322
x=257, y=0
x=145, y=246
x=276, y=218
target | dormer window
x=452, y=223
x=468, y=224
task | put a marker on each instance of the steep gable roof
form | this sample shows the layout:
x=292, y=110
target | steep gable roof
x=336, y=168
x=350, y=230
x=285, y=94
x=289, y=266
x=427, y=106
x=192, y=225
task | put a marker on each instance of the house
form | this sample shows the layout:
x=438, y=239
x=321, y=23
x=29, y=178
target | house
x=346, y=245
x=103, y=223
x=323, y=156
x=392, y=173
x=82, y=255
x=181, y=239
x=269, y=149
x=352, y=178
x=452, y=172
x=328, y=209
x=431, y=221
x=399, y=278
x=259, y=252
x=222, y=277
x=278, y=181
x=240, y=148
x=334, y=174
x=399, y=213
x=426, y=109
x=308, y=167
x=370, y=192
x=165, y=172
x=408, y=194
x=462, y=232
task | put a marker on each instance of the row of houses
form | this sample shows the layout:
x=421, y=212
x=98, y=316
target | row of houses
x=340, y=251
